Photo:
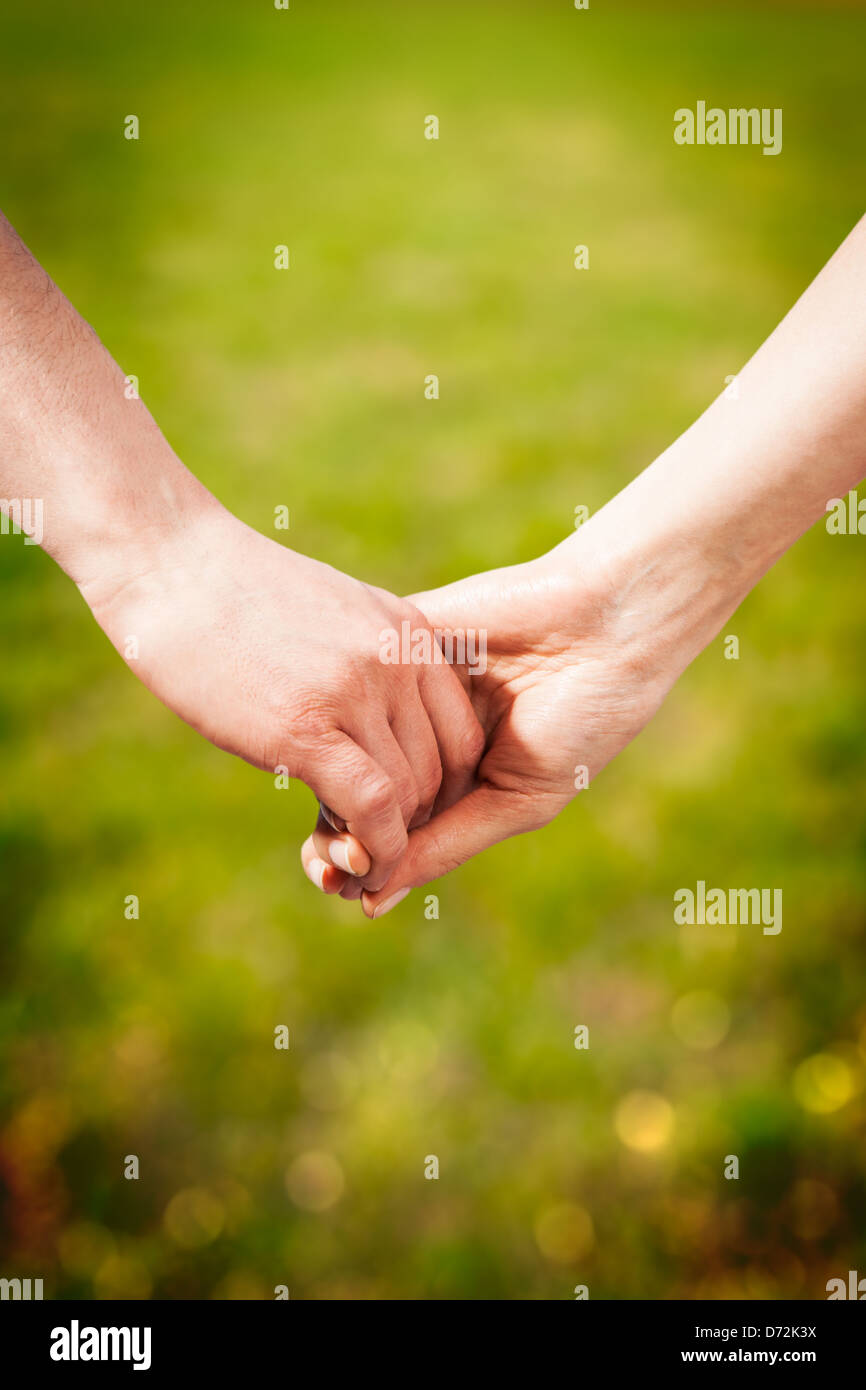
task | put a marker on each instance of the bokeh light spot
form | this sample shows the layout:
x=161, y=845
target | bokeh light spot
x=194, y=1218
x=823, y=1083
x=700, y=1019
x=315, y=1181
x=564, y=1232
x=122, y=1277
x=644, y=1121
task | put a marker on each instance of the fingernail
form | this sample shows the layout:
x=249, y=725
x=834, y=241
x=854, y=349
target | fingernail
x=386, y=906
x=339, y=852
x=317, y=872
x=335, y=822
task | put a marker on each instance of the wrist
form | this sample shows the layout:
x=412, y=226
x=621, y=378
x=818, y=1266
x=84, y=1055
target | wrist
x=663, y=580
x=150, y=520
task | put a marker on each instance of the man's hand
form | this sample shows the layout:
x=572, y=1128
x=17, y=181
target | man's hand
x=277, y=658
x=271, y=655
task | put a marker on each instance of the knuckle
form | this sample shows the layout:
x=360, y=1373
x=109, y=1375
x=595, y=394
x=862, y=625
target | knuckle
x=296, y=736
x=431, y=781
x=377, y=796
x=409, y=799
x=471, y=747
x=392, y=846
x=533, y=813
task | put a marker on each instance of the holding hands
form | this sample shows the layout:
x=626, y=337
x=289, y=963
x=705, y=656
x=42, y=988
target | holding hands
x=584, y=643
x=559, y=697
x=278, y=658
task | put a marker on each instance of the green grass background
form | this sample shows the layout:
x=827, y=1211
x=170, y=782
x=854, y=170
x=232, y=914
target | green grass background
x=305, y=388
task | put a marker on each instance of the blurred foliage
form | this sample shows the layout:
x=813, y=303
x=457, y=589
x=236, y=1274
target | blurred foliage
x=415, y=1037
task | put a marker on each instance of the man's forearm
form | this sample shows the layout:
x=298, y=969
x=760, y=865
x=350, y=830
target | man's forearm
x=684, y=543
x=111, y=489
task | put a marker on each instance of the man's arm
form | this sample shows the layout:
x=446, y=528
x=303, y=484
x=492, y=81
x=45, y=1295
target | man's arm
x=112, y=489
x=270, y=654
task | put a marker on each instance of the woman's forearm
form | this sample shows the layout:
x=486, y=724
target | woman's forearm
x=684, y=543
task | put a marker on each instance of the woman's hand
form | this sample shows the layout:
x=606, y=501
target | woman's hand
x=278, y=658
x=584, y=643
x=562, y=693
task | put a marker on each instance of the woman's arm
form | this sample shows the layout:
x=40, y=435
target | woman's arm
x=585, y=642
x=684, y=543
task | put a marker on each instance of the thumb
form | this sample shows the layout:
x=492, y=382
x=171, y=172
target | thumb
x=481, y=819
x=445, y=607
